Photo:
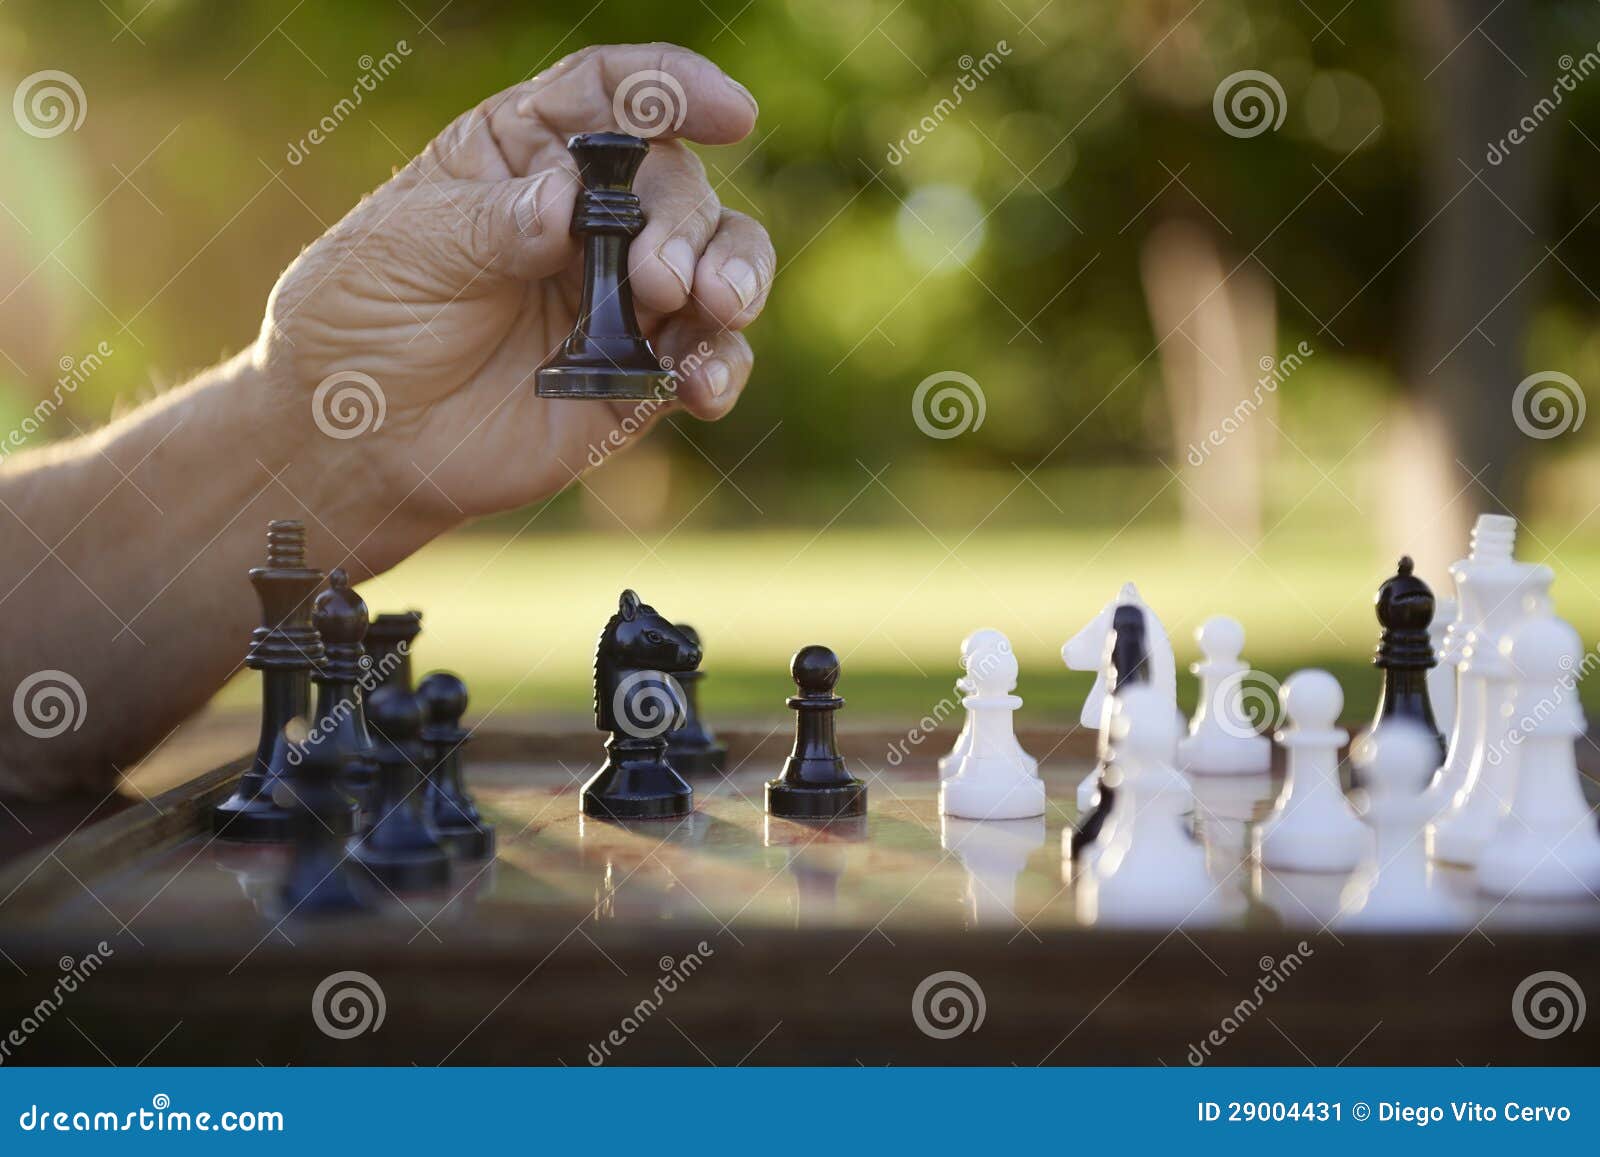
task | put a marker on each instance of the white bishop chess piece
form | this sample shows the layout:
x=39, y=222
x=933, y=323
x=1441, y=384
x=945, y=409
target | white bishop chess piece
x=1392, y=890
x=1221, y=739
x=994, y=779
x=1313, y=828
x=979, y=652
x=1545, y=847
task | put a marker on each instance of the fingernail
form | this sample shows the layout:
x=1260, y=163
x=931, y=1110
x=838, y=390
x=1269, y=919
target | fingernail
x=741, y=279
x=525, y=211
x=678, y=255
x=717, y=377
x=744, y=92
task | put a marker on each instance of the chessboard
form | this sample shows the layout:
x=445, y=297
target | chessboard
x=728, y=936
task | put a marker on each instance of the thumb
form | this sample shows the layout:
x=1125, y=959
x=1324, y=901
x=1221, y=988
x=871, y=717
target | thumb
x=470, y=232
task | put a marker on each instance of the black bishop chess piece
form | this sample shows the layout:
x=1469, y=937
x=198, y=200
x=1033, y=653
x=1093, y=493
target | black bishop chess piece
x=1405, y=607
x=322, y=880
x=814, y=784
x=606, y=355
x=401, y=849
x=637, y=699
x=1127, y=663
x=390, y=638
x=692, y=749
x=450, y=808
x=285, y=649
x=340, y=618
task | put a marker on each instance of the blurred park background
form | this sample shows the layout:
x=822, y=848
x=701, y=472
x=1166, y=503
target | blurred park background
x=1241, y=364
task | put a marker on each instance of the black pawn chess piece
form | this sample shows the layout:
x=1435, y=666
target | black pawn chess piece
x=638, y=700
x=340, y=618
x=1127, y=663
x=692, y=749
x=401, y=849
x=1405, y=651
x=285, y=649
x=606, y=355
x=322, y=879
x=450, y=809
x=814, y=784
x=390, y=638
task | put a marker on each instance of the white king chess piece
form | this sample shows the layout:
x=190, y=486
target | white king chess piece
x=1545, y=847
x=995, y=779
x=979, y=651
x=1313, y=828
x=1222, y=740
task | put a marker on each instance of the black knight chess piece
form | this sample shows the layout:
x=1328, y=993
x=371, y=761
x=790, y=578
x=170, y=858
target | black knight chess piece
x=400, y=849
x=285, y=649
x=1127, y=662
x=692, y=749
x=606, y=355
x=340, y=618
x=322, y=880
x=1405, y=607
x=450, y=808
x=638, y=700
x=814, y=784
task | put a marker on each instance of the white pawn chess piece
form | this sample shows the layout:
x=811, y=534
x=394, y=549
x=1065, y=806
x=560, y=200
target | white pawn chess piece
x=1392, y=892
x=979, y=651
x=995, y=779
x=994, y=853
x=1545, y=847
x=1313, y=828
x=1221, y=739
x=1462, y=831
x=1442, y=675
x=1147, y=870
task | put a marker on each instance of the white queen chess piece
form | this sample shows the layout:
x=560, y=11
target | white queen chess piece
x=979, y=651
x=1313, y=828
x=994, y=779
x=1222, y=740
x=1545, y=847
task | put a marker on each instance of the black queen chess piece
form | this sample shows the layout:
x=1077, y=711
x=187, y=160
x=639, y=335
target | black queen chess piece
x=450, y=808
x=637, y=699
x=814, y=784
x=401, y=849
x=606, y=355
x=1405, y=608
x=340, y=618
x=692, y=749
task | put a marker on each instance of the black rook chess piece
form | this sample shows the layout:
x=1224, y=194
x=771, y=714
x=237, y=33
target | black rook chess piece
x=606, y=355
x=692, y=749
x=449, y=807
x=638, y=700
x=814, y=784
x=285, y=649
x=321, y=879
x=401, y=849
x=340, y=618
x=1405, y=652
x=1127, y=663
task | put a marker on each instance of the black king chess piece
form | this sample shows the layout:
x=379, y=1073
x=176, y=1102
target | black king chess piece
x=390, y=638
x=285, y=649
x=1127, y=662
x=449, y=807
x=638, y=700
x=814, y=784
x=322, y=880
x=340, y=618
x=606, y=355
x=692, y=749
x=1405, y=652
x=400, y=849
